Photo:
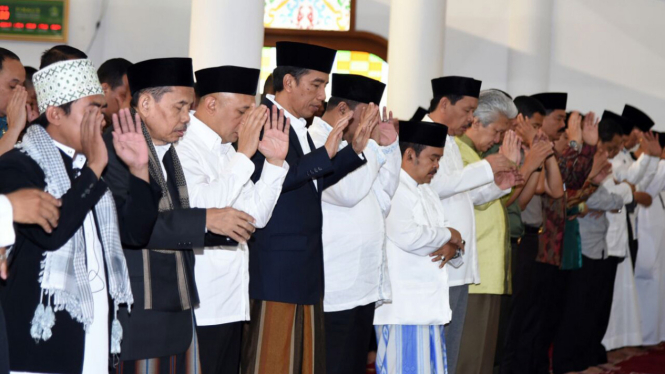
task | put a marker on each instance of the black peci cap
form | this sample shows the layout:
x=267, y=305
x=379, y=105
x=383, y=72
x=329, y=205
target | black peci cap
x=230, y=79
x=552, y=100
x=306, y=56
x=419, y=114
x=637, y=118
x=426, y=133
x=454, y=85
x=160, y=72
x=626, y=126
x=357, y=88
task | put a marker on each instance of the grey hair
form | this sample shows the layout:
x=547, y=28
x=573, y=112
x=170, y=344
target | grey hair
x=491, y=104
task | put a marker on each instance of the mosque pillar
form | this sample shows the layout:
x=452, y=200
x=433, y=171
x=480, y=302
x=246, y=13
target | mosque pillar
x=530, y=42
x=415, y=53
x=226, y=32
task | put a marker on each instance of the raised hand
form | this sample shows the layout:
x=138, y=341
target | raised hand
x=590, y=129
x=17, y=110
x=509, y=179
x=332, y=143
x=499, y=163
x=275, y=143
x=368, y=121
x=386, y=129
x=35, y=207
x=651, y=144
x=574, y=130
x=130, y=144
x=524, y=130
x=537, y=155
x=92, y=143
x=250, y=128
x=511, y=147
x=600, y=168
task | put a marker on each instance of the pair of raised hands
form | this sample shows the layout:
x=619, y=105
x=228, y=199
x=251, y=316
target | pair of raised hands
x=275, y=142
x=505, y=163
x=583, y=130
x=372, y=126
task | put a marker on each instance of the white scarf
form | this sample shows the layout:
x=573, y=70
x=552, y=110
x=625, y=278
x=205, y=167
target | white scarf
x=63, y=276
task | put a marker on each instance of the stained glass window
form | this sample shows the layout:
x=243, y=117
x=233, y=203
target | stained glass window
x=332, y=15
x=346, y=62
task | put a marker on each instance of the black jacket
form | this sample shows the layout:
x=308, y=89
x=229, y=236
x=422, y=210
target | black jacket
x=166, y=329
x=63, y=352
x=286, y=257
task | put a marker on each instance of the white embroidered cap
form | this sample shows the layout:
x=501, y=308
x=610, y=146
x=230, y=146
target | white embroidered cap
x=64, y=82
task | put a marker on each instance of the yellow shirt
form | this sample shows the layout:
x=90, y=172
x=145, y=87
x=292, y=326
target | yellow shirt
x=492, y=235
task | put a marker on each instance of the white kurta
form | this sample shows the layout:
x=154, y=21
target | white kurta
x=217, y=177
x=354, y=211
x=416, y=227
x=650, y=263
x=624, y=326
x=7, y=236
x=454, y=183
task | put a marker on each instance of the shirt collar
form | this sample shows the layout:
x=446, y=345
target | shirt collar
x=78, y=160
x=466, y=140
x=206, y=135
x=298, y=124
x=406, y=179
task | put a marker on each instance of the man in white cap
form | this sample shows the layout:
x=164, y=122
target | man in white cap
x=62, y=280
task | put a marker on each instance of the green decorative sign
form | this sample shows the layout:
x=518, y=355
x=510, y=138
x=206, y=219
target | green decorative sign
x=38, y=20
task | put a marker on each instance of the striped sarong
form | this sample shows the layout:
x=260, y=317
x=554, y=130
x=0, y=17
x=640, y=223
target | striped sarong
x=183, y=363
x=284, y=339
x=411, y=349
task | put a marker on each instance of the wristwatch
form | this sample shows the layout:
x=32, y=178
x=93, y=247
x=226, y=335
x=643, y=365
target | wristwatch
x=574, y=145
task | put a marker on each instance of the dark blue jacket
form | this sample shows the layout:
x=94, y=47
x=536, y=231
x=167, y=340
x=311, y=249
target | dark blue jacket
x=286, y=257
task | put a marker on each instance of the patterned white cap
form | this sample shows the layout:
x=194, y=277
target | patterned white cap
x=64, y=82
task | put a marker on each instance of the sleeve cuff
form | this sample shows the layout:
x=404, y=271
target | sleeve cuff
x=242, y=166
x=272, y=173
x=488, y=169
x=374, y=147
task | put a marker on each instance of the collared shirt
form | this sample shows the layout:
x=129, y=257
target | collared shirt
x=7, y=235
x=492, y=235
x=299, y=125
x=593, y=230
x=161, y=152
x=416, y=226
x=217, y=177
x=454, y=183
x=354, y=210
x=95, y=359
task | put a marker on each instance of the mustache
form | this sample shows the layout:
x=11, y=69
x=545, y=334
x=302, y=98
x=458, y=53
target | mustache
x=433, y=171
x=561, y=130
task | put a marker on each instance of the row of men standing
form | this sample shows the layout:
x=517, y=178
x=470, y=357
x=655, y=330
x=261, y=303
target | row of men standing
x=323, y=199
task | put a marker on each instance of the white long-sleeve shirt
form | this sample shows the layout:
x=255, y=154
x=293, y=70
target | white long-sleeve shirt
x=416, y=226
x=617, y=231
x=625, y=169
x=7, y=235
x=218, y=177
x=354, y=210
x=454, y=183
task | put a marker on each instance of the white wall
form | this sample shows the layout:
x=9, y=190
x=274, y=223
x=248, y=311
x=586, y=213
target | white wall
x=603, y=52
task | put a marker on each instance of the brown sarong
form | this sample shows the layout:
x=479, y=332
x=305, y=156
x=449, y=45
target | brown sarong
x=284, y=339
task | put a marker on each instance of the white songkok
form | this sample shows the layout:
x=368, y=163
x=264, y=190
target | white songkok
x=64, y=82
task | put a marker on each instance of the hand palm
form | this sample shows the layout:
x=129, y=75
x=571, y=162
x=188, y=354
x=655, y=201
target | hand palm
x=275, y=144
x=505, y=180
x=388, y=133
x=132, y=148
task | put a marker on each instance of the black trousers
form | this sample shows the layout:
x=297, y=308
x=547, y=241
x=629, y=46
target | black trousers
x=506, y=308
x=219, y=348
x=535, y=312
x=586, y=315
x=348, y=335
x=4, y=347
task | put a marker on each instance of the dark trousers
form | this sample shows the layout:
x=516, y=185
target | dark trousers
x=524, y=321
x=586, y=314
x=4, y=347
x=348, y=335
x=506, y=308
x=220, y=348
x=551, y=281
